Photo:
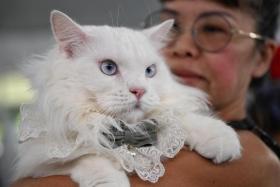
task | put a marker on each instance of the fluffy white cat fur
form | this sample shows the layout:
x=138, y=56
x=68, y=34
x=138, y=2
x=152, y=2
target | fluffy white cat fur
x=76, y=101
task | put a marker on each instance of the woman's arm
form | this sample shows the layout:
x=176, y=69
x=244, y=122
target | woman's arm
x=257, y=167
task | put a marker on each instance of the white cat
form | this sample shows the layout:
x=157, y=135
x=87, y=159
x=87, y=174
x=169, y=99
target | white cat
x=98, y=74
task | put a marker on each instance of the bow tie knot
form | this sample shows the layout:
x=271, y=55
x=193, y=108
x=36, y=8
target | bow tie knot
x=143, y=135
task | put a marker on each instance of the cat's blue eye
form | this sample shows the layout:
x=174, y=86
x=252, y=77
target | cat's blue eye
x=108, y=67
x=151, y=71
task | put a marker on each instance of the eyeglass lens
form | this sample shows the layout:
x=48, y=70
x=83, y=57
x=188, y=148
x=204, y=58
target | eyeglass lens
x=211, y=32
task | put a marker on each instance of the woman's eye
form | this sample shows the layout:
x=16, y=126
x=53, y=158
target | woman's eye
x=213, y=29
x=175, y=32
x=176, y=27
x=151, y=71
x=108, y=67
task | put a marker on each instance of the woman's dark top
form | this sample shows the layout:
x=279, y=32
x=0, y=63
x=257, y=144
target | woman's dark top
x=248, y=124
x=149, y=127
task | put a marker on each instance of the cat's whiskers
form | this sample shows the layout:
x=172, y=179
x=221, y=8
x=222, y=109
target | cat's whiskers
x=107, y=113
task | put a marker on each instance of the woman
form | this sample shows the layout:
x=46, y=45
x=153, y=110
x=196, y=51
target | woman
x=215, y=48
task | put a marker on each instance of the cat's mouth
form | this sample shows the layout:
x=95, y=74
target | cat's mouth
x=132, y=114
x=137, y=106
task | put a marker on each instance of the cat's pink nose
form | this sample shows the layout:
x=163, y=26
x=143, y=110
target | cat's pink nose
x=138, y=92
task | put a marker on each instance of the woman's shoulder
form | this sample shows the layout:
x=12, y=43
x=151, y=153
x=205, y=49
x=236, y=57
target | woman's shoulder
x=262, y=164
x=258, y=166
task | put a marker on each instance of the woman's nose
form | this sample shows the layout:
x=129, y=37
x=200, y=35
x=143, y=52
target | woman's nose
x=183, y=47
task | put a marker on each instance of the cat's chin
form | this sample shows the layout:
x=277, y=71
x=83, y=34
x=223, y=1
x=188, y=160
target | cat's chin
x=132, y=116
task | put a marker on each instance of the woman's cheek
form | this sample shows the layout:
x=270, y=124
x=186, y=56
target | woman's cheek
x=224, y=74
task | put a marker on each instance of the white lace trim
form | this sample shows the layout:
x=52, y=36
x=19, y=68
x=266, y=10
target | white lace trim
x=55, y=150
x=146, y=161
x=30, y=126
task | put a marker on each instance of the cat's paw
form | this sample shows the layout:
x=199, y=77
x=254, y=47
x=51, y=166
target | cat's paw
x=93, y=171
x=219, y=143
x=103, y=184
x=112, y=184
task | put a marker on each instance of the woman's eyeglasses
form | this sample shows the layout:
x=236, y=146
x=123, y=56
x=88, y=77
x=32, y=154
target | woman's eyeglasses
x=211, y=32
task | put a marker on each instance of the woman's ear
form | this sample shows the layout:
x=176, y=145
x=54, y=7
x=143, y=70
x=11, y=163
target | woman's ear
x=266, y=55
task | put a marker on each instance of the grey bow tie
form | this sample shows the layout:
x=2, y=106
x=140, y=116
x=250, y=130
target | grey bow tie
x=146, y=136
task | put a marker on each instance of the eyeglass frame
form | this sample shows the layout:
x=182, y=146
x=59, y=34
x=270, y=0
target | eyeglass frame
x=234, y=31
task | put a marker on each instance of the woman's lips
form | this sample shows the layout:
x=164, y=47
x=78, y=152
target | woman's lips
x=188, y=77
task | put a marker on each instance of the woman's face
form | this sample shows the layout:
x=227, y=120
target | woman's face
x=224, y=75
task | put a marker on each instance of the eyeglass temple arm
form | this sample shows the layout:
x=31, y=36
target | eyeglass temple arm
x=249, y=34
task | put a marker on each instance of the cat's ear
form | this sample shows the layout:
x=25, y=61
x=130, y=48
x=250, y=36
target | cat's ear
x=67, y=33
x=159, y=33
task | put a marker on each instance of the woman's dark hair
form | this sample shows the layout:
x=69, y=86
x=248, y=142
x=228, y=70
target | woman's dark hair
x=265, y=108
x=265, y=11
